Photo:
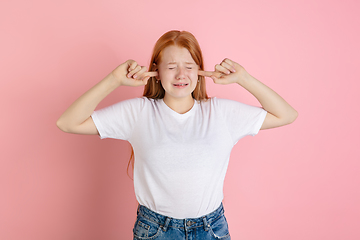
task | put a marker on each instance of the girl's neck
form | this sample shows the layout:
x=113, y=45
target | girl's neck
x=180, y=105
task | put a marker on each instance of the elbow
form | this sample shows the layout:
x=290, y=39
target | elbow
x=293, y=116
x=289, y=118
x=272, y=121
x=60, y=124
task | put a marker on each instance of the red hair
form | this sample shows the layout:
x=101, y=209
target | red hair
x=154, y=89
x=181, y=39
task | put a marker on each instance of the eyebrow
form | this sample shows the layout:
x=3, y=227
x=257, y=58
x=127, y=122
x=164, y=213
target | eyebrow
x=185, y=63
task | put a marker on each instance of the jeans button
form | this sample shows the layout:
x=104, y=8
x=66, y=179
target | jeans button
x=189, y=223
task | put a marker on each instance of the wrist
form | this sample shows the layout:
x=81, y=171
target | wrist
x=244, y=78
x=111, y=82
x=114, y=80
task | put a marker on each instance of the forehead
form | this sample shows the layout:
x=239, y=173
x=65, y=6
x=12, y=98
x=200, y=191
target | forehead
x=174, y=54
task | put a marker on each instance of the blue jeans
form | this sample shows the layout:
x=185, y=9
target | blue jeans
x=154, y=226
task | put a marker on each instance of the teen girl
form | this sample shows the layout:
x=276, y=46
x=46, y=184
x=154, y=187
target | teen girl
x=181, y=139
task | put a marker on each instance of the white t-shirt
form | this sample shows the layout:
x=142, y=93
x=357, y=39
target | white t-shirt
x=180, y=159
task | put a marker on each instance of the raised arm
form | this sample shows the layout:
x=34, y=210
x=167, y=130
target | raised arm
x=279, y=111
x=77, y=119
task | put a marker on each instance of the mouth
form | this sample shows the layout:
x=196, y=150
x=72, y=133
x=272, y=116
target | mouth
x=180, y=84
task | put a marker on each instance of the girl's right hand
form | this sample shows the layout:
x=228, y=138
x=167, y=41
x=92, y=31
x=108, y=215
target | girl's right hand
x=131, y=74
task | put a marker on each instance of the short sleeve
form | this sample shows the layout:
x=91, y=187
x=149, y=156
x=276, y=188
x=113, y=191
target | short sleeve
x=118, y=120
x=241, y=119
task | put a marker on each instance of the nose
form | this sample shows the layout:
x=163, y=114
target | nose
x=180, y=73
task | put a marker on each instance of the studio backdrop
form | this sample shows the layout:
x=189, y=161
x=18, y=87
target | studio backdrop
x=296, y=182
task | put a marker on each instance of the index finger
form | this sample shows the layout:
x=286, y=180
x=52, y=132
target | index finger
x=151, y=74
x=209, y=73
x=205, y=73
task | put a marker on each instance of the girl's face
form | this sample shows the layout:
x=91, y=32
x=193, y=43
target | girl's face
x=178, y=73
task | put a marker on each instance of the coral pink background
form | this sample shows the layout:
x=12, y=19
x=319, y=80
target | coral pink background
x=297, y=182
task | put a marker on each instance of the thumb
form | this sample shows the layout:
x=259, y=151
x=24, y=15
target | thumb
x=214, y=78
x=145, y=80
x=218, y=78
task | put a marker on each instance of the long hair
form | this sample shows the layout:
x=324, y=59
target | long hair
x=183, y=39
x=153, y=89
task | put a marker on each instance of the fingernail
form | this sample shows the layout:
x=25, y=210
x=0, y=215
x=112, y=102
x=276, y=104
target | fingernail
x=135, y=76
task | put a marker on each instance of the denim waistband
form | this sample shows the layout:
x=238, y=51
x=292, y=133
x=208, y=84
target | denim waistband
x=186, y=223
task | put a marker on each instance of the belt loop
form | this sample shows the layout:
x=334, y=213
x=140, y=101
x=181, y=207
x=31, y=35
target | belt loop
x=167, y=221
x=206, y=225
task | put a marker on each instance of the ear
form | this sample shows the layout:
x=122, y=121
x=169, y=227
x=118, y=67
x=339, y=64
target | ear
x=155, y=68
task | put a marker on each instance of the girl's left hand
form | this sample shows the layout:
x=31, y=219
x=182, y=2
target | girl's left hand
x=226, y=72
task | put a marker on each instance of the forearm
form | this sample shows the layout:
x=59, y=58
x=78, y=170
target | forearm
x=279, y=111
x=84, y=106
x=271, y=101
